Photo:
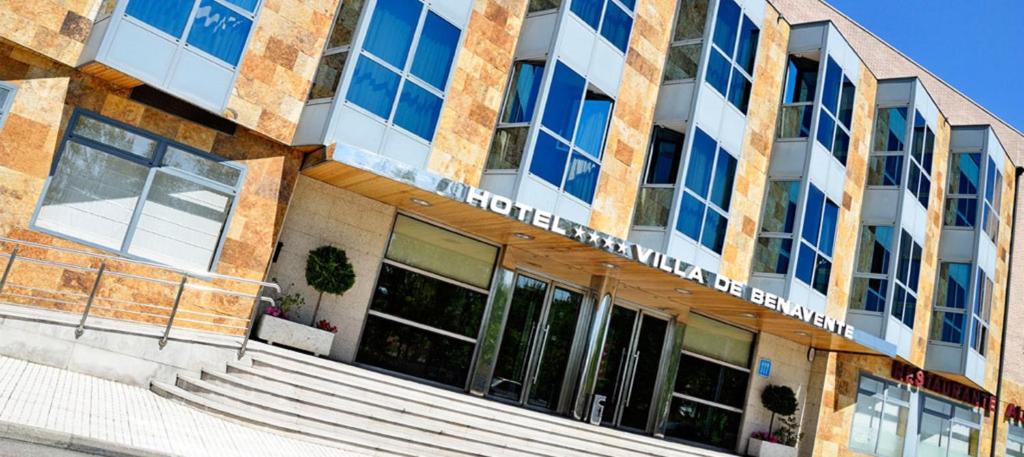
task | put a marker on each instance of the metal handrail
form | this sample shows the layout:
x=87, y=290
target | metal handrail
x=192, y=273
x=17, y=255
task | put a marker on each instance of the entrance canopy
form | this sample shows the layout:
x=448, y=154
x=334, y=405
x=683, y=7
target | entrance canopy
x=542, y=242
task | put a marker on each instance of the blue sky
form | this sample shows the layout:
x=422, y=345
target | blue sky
x=975, y=45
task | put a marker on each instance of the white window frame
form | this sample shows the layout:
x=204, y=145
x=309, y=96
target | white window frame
x=10, y=91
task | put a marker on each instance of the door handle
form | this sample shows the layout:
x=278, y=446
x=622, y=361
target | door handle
x=632, y=378
x=540, y=353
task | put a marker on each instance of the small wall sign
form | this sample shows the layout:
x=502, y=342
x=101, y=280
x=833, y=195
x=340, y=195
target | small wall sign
x=764, y=368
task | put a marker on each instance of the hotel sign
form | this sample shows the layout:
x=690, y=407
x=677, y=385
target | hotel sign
x=649, y=257
x=919, y=378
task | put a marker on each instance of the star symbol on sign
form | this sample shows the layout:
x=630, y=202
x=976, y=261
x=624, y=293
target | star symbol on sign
x=623, y=248
x=579, y=232
x=595, y=237
x=609, y=243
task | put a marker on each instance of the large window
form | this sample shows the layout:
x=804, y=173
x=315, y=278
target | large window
x=908, y=275
x=982, y=311
x=402, y=72
x=612, y=18
x=951, y=302
x=885, y=166
x=993, y=198
x=704, y=209
x=948, y=429
x=798, y=98
x=687, y=40
x=571, y=139
x=836, y=111
x=919, y=181
x=871, y=278
x=1015, y=441
x=514, y=123
x=818, y=234
x=425, y=313
x=217, y=28
x=775, y=243
x=880, y=418
x=6, y=100
x=129, y=191
x=962, y=194
x=733, y=51
x=339, y=45
x=711, y=387
x=655, y=198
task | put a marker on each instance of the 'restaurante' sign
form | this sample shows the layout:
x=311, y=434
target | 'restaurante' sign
x=651, y=258
x=919, y=378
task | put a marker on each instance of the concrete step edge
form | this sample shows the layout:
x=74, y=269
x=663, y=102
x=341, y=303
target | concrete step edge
x=336, y=369
x=459, y=431
x=438, y=440
x=286, y=428
x=473, y=421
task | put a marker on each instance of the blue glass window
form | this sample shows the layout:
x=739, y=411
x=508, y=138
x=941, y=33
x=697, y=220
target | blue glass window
x=418, y=111
x=993, y=191
x=373, y=87
x=919, y=184
x=395, y=28
x=219, y=31
x=665, y=156
x=616, y=26
x=168, y=16
x=391, y=30
x=962, y=197
x=826, y=131
x=890, y=129
x=588, y=10
x=908, y=272
x=726, y=24
x=801, y=78
x=579, y=119
x=874, y=296
x=814, y=265
x=730, y=61
x=436, y=51
x=596, y=113
x=582, y=178
x=830, y=91
x=954, y=282
x=703, y=214
x=812, y=216
x=948, y=327
x=563, y=103
x=836, y=112
x=870, y=284
x=904, y=306
x=549, y=157
x=747, y=50
x=523, y=93
x=248, y=5
x=718, y=72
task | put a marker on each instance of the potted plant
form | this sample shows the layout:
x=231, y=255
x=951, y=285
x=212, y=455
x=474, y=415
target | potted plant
x=328, y=271
x=780, y=400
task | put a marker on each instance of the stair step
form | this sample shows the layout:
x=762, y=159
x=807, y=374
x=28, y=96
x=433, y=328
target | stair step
x=275, y=422
x=435, y=442
x=482, y=420
x=313, y=402
x=351, y=380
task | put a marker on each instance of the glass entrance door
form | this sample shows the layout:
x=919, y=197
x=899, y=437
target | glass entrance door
x=537, y=344
x=629, y=367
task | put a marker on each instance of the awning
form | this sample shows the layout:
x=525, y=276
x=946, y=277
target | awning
x=574, y=252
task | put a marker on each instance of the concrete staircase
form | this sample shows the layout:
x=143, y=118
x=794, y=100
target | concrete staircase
x=371, y=413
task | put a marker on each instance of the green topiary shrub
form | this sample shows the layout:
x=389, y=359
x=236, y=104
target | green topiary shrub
x=328, y=271
x=779, y=400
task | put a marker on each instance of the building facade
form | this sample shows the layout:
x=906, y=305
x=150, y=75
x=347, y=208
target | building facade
x=635, y=213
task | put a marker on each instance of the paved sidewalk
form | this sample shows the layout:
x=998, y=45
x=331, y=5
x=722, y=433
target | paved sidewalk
x=94, y=410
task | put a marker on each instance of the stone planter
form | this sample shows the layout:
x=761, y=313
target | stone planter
x=275, y=330
x=759, y=448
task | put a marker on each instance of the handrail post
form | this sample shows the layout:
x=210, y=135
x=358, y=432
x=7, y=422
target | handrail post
x=7, y=269
x=174, y=311
x=92, y=296
x=252, y=322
